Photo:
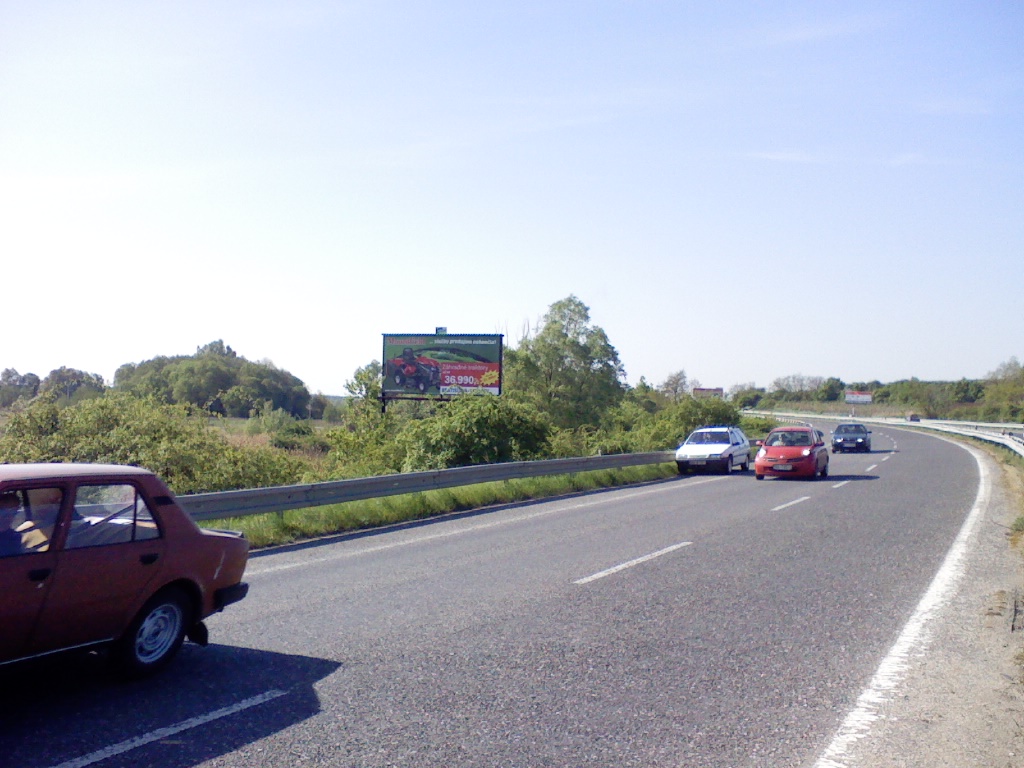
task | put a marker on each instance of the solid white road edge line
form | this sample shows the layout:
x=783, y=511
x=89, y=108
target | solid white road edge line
x=257, y=571
x=163, y=733
x=631, y=563
x=790, y=503
x=913, y=640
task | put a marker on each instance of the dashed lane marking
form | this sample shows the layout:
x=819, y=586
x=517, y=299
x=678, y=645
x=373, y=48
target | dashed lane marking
x=163, y=733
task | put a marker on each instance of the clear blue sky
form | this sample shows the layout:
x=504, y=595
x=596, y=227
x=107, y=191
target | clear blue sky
x=741, y=190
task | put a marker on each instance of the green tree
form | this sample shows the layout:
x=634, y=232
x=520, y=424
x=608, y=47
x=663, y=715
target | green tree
x=569, y=370
x=1004, y=391
x=746, y=395
x=72, y=384
x=218, y=380
x=830, y=390
x=14, y=386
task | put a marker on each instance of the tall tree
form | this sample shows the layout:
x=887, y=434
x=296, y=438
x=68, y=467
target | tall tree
x=569, y=369
x=66, y=382
x=14, y=386
x=675, y=386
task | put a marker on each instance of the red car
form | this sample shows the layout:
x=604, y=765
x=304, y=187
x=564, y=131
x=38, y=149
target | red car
x=98, y=555
x=792, y=452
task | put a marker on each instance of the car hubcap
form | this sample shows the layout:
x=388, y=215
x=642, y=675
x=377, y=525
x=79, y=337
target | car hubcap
x=158, y=633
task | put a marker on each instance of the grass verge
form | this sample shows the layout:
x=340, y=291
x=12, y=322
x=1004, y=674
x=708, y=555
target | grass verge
x=303, y=524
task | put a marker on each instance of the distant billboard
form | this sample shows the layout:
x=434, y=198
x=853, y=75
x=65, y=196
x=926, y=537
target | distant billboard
x=858, y=398
x=700, y=392
x=441, y=364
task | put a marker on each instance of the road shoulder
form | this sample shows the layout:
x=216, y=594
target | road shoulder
x=961, y=704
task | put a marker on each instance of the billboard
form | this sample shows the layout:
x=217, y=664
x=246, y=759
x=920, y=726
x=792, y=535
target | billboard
x=858, y=398
x=417, y=365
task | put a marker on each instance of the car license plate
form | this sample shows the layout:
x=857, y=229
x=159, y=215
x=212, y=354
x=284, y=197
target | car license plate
x=783, y=467
x=698, y=462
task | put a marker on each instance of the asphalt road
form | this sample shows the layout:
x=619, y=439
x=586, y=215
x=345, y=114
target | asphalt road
x=700, y=621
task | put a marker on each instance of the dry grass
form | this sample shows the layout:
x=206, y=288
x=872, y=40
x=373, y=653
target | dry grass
x=1012, y=466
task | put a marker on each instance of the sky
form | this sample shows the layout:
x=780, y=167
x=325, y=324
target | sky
x=740, y=190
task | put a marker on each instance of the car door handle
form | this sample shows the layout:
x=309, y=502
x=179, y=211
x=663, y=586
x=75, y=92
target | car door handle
x=39, y=574
x=149, y=559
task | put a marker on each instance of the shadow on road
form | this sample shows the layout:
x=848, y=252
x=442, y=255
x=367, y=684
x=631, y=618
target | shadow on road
x=72, y=707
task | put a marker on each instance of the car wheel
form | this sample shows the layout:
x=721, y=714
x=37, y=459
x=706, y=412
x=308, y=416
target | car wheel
x=681, y=468
x=745, y=466
x=156, y=633
x=824, y=471
x=727, y=466
x=758, y=477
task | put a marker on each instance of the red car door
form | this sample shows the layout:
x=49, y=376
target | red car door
x=112, y=553
x=24, y=585
x=27, y=567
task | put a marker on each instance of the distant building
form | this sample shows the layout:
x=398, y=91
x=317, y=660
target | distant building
x=703, y=392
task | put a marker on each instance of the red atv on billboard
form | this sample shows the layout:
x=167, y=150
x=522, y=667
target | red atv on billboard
x=413, y=371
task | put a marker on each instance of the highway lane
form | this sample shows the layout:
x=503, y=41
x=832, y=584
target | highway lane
x=712, y=621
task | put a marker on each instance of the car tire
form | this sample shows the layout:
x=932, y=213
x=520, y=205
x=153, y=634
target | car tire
x=155, y=634
x=824, y=471
x=745, y=466
x=680, y=468
x=758, y=477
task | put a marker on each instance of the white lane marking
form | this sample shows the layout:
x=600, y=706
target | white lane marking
x=873, y=466
x=790, y=503
x=163, y=733
x=631, y=563
x=336, y=555
x=840, y=485
x=913, y=640
x=887, y=457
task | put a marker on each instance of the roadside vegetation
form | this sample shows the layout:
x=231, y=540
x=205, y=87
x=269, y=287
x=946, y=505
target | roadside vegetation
x=296, y=525
x=216, y=421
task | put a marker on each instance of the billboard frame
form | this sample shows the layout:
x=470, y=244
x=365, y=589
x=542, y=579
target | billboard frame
x=454, y=365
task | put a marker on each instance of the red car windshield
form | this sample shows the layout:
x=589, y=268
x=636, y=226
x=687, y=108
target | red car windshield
x=789, y=437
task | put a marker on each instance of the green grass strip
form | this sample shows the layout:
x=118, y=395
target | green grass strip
x=302, y=524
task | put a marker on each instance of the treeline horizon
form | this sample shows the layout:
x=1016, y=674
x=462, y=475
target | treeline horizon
x=220, y=381
x=564, y=394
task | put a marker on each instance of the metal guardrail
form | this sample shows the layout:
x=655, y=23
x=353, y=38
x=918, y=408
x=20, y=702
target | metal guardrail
x=257, y=501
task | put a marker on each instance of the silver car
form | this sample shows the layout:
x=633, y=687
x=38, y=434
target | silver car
x=714, y=449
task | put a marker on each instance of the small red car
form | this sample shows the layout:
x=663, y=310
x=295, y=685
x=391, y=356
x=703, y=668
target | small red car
x=100, y=555
x=792, y=452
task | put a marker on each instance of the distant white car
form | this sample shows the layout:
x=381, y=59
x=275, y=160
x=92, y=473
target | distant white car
x=714, y=449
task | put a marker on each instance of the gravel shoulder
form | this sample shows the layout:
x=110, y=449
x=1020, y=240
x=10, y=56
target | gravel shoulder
x=961, y=704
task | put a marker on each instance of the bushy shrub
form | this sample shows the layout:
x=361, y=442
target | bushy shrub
x=300, y=436
x=119, y=428
x=475, y=430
